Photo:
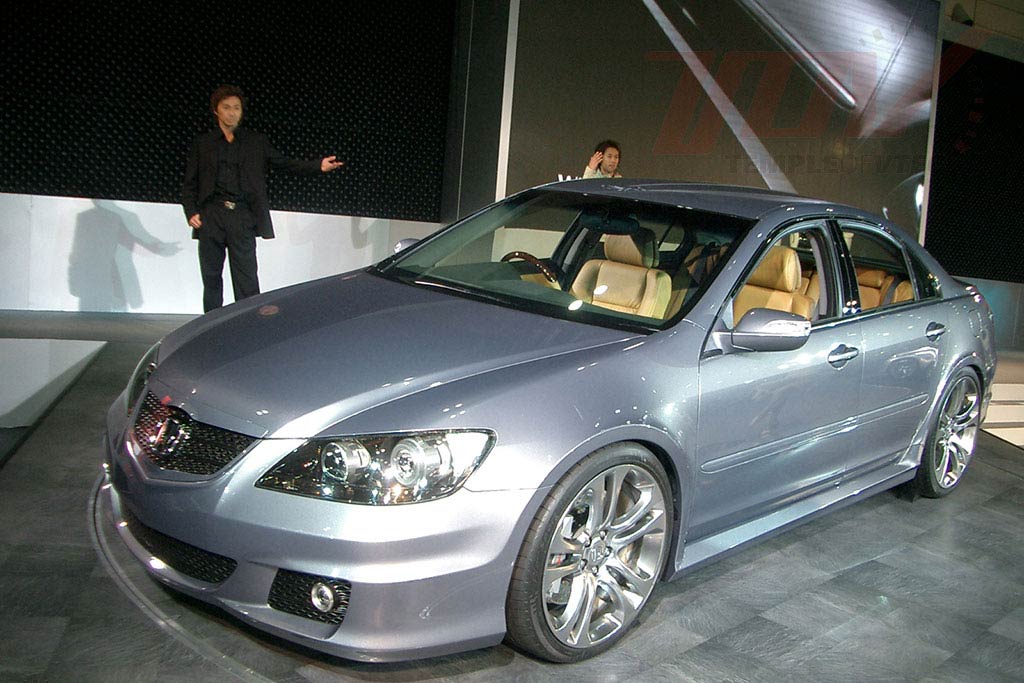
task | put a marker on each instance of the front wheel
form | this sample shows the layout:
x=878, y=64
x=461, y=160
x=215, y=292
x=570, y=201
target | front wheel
x=592, y=555
x=951, y=442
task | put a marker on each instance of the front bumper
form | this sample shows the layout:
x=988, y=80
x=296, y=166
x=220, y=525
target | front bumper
x=425, y=579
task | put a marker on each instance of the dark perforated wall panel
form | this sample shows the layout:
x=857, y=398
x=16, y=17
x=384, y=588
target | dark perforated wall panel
x=103, y=99
x=974, y=218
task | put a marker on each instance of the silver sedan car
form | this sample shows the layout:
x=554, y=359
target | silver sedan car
x=515, y=428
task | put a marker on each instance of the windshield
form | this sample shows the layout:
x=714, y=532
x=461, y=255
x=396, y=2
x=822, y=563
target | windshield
x=598, y=260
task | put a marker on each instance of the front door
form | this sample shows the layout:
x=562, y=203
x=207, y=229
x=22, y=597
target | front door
x=774, y=426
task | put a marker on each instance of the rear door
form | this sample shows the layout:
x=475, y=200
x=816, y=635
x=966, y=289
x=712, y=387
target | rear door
x=903, y=328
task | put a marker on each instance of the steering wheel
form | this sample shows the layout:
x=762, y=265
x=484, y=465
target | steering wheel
x=546, y=270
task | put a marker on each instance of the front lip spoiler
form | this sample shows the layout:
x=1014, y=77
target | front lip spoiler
x=315, y=635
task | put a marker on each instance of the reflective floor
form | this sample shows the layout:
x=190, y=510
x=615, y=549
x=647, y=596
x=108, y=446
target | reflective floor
x=891, y=589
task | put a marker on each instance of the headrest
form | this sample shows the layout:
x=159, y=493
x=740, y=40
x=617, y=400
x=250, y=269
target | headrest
x=634, y=250
x=780, y=270
x=871, y=278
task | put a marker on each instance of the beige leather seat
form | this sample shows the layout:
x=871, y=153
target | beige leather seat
x=810, y=286
x=877, y=288
x=904, y=292
x=774, y=284
x=872, y=284
x=627, y=279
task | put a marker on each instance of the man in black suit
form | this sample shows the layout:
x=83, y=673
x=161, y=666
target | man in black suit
x=225, y=196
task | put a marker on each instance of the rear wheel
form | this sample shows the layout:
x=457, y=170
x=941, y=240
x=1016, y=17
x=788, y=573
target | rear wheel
x=592, y=556
x=951, y=442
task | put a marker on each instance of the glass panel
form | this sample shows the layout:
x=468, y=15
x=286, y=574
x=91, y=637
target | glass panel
x=883, y=278
x=793, y=275
x=598, y=260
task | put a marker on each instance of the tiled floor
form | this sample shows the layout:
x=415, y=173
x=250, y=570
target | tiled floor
x=891, y=589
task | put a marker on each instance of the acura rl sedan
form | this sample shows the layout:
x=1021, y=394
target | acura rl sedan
x=513, y=429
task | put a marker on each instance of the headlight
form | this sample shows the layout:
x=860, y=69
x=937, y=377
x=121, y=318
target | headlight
x=145, y=368
x=388, y=469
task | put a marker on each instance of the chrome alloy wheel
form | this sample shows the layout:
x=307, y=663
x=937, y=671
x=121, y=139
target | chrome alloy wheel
x=957, y=431
x=603, y=560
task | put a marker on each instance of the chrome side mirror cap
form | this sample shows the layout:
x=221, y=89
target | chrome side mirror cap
x=401, y=245
x=764, y=329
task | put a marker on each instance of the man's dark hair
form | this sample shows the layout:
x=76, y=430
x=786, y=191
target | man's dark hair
x=224, y=92
x=603, y=146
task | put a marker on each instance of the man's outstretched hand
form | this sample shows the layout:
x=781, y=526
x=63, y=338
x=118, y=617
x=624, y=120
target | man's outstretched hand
x=330, y=163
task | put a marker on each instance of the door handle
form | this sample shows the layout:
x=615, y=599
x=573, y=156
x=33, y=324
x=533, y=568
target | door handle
x=934, y=331
x=841, y=355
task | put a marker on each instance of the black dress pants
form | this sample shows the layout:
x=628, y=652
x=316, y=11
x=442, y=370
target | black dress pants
x=234, y=232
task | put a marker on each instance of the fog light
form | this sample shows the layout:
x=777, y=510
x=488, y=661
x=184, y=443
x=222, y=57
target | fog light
x=323, y=597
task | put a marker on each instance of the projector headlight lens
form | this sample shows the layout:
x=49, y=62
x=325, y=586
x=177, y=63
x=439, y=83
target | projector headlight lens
x=385, y=469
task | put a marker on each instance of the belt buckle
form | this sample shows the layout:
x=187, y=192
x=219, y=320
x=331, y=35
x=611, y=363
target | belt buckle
x=230, y=205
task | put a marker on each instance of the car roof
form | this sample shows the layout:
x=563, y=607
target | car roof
x=735, y=200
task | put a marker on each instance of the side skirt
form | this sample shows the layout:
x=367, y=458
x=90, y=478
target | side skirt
x=718, y=546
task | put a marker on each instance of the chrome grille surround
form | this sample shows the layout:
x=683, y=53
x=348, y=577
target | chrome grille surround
x=172, y=440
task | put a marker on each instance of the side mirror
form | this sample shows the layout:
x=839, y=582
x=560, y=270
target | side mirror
x=401, y=245
x=764, y=329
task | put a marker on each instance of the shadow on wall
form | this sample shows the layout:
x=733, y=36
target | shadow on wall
x=101, y=272
x=334, y=250
x=375, y=236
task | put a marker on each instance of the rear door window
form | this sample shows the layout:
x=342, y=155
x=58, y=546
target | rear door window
x=883, y=276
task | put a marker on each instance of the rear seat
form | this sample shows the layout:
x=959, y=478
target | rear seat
x=878, y=287
x=904, y=292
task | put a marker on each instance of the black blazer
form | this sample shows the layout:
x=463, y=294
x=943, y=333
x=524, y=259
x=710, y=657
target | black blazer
x=256, y=156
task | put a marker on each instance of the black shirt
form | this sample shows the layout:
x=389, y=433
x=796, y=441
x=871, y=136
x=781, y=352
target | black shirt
x=227, y=185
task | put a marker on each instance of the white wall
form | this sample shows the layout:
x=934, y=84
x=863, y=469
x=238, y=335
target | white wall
x=70, y=254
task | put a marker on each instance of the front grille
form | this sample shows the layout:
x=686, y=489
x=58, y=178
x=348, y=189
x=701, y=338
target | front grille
x=291, y=593
x=187, y=559
x=172, y=440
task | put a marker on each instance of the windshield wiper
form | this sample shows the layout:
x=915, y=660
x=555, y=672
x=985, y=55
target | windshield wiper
x=460, y=289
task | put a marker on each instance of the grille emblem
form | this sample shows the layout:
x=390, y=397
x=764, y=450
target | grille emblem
x=171, y=434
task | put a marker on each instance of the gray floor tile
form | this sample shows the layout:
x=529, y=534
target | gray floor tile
x=960, y=669
x=50, y=560
x=1011, y=626
x=714, y=661
x=27, y=643
x=35, y=596
x=996, y=652
x=810, y=614
x=762, y=639
x=709, y=615
x=865, y=649
x=911, y=588
x=766, y=582
x=123, y=648
x=947, y=631
x=654, y=643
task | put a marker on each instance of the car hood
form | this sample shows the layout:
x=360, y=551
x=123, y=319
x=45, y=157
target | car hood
x=291, y=363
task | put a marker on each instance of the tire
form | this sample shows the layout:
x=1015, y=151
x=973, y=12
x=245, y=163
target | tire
x=582, y=576
x=953, y=435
